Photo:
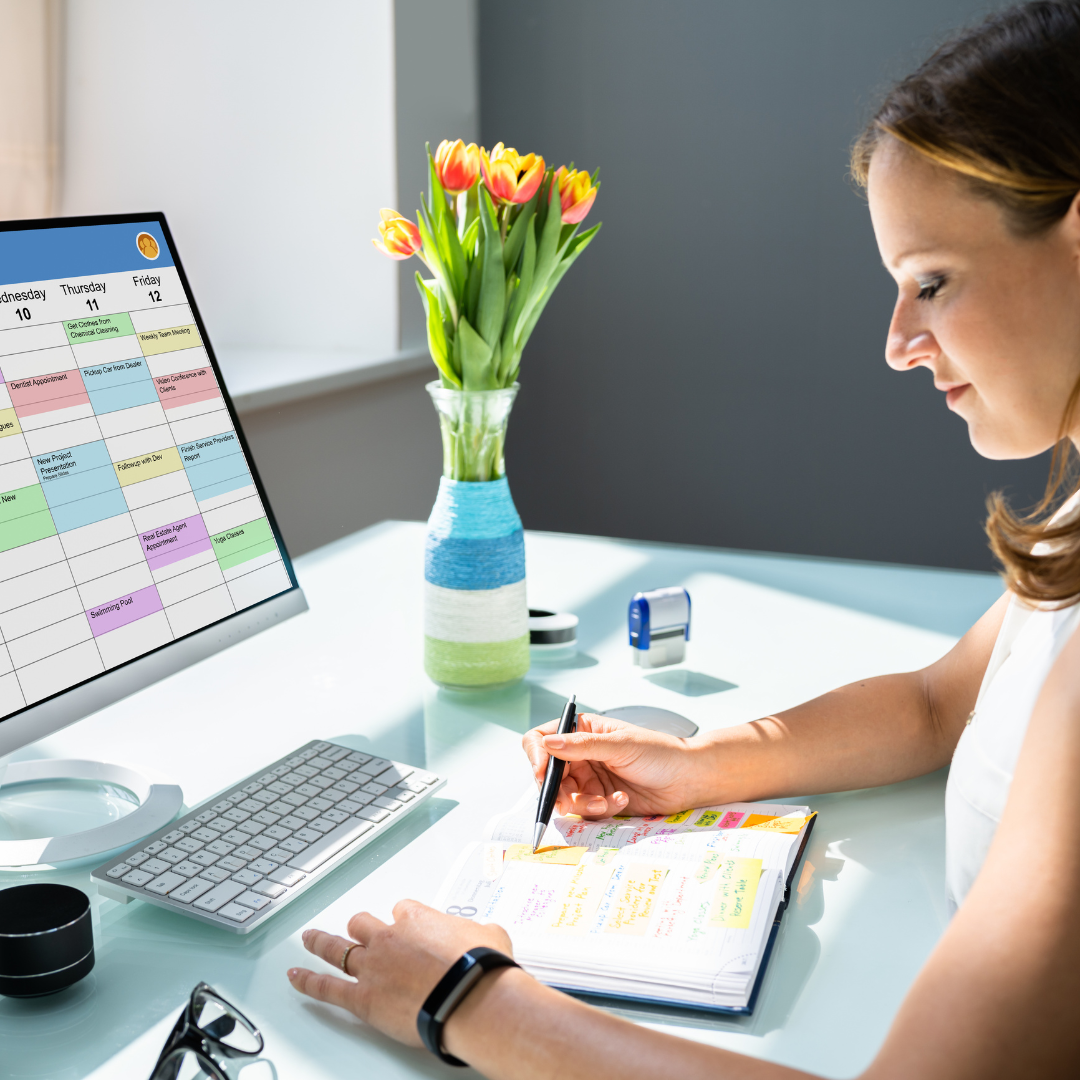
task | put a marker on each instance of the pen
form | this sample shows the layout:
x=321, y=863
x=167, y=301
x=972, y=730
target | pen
x=553, y=777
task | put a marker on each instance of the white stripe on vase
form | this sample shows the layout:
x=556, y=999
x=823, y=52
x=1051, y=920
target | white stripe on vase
x=476, y=615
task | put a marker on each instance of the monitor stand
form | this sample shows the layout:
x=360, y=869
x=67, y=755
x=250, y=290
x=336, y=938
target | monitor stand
x=69, y=791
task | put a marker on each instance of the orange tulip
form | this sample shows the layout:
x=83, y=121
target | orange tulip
x=457, y=166
x=577, y=193
x=399, y=237
x=510, y=177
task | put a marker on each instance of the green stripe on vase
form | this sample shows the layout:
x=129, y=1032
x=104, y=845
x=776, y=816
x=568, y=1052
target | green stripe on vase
x=476, y=663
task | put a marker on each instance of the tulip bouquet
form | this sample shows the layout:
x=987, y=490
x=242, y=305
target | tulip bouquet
x=497, y=231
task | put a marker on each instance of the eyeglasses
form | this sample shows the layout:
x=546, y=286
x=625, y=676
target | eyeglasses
x=212, y=1038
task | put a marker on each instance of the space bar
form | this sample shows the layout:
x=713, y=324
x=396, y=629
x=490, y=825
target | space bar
x=329, y=845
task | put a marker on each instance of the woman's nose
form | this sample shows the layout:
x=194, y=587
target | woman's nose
x=909, y=344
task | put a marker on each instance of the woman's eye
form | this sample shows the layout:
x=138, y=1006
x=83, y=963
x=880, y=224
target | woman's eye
x=930, y=289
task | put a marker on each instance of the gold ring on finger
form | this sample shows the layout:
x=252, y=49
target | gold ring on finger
x=345, y=956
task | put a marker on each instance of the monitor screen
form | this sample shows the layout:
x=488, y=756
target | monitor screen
x=130, y=514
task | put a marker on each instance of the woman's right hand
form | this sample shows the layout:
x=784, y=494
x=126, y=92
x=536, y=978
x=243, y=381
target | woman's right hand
x=619, y=768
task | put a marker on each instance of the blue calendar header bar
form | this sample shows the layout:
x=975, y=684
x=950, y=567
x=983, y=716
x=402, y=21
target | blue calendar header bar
x=81, y=251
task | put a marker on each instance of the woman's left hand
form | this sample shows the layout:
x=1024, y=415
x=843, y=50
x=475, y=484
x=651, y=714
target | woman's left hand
x=396, y=966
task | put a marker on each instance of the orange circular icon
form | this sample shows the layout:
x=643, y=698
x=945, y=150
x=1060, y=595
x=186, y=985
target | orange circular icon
x=147, y=245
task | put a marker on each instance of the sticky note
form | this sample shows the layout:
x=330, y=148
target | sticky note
x=789, y=823
x=731, y=819
x=575, y=910
x=679, y=818
x=634, y=898
x=709, y=865
x=561, y=856
x=737, y=883
x=710, y=817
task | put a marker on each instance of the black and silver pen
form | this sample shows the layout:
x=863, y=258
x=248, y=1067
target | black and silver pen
x=553, y=778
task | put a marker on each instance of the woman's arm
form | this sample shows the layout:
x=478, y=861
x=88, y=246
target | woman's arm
x=873, y=732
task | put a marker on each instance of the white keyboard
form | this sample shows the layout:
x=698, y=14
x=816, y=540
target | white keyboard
x=269, y=837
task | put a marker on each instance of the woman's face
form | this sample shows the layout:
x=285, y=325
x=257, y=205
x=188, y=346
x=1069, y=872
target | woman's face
x=995, y=318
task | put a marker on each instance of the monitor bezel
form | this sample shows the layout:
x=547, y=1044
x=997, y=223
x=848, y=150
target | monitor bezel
x=33, y=722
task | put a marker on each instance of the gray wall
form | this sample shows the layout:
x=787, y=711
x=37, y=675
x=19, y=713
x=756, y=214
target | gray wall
x=711, y=371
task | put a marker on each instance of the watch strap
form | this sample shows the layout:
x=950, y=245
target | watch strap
x=450, y=992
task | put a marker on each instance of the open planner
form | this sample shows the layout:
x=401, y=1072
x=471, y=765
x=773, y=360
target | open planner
x=677, y=910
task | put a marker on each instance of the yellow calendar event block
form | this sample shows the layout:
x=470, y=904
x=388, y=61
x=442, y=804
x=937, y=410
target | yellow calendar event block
x=147, y=466
x=176, y=337
x=9, y=423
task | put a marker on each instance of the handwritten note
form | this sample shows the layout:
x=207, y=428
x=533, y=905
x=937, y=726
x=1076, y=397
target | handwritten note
x=635, y=896
x=679, y=818
x=575, y=910
x=710, y=817
x=709, y=865
x=560, y=856
x=736, y=889
x=790, y=823
x=731, y=820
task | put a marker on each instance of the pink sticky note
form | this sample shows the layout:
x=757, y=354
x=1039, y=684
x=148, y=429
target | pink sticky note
x=731, y=819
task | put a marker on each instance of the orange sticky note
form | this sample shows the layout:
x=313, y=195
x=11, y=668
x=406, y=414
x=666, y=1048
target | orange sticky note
x=560, y=856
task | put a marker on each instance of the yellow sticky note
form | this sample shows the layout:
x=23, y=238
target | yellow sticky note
x=635, y=896
x=710, y=817
x=561, y=856
x=575, y=910
x=679, y=818
x=789, y=823
x=709, y=865
x=735, y=892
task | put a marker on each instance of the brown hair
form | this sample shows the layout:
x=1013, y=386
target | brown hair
x=1000, y=105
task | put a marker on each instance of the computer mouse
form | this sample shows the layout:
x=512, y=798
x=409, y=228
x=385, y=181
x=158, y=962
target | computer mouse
x=648, y=716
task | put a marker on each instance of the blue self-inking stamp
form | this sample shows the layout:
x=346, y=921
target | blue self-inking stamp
x=659, y=627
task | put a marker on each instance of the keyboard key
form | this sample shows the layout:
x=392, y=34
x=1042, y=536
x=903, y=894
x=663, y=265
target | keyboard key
x=155, y=847
x=375, y=789
x=204, y=857
x=237, y=797
x=320, y=763
x=236, y=814
x=308, y=754
x=352, y=804
x=219, y=895
x=323, y=825
x=247, y=877
x=278, y=788
x=263, y=866
x=118, y=871
x=293, y=778
x=308, y=836
x=336, y=753
x=222, y=806
x=267, y=778
x=328, y=846
x=400, y=794
x=295, y=760
x=219, y=825
x=187, y=869
x=305, y=812
x=394, y=775
x=373, y=813
x=236, y=912
x=335, y=772
x=279, y=855
x=281, y=808
x=280, y=771
x=283, y=875
x=413, y=784
x=253, y=787
x=319, y=747
x=262, y=843
x=155, y=866
x=250, y=805
x=216, y=874
x=264, y=817
x=207, y=836
x=320, y=782
x=247, y=851
x=337, y=816
x=294, y=799
x=294, y=845
x=387, y=804
x=189, y=827
x=308, y=790
x=235, y=836
x=307, y=771
x=220, y=847
x=190, y=844
x=206, y=815
x=276, y=832
x=269, y=888
x=326, y=800
x=231, y=862
x=163, y=885
x=292, y=822
x=253, y=900
x=137, y=878
x=252, y=827
x=375, y=766
x=345, y=786
x=172, y=837
x=424, y=777
x=137, y=858
x=358, y=759
x=172, y=855
x=191, y=891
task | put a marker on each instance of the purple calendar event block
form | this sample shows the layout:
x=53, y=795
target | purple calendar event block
x=178, y=540
x=124, y=610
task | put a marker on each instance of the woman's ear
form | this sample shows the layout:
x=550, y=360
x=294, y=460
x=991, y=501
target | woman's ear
x=1071, y=226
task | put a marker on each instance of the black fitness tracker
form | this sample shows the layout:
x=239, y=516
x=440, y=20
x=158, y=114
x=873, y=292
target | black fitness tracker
x=449, y=994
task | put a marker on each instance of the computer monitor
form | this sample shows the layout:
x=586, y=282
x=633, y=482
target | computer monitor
x=135, y=533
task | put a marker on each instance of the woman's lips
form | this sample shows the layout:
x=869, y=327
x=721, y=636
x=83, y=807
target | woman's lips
x=954, y=393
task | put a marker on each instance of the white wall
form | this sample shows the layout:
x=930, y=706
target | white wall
x=265, y=131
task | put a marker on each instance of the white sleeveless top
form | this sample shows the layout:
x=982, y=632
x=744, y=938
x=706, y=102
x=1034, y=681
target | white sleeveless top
x=985, y=758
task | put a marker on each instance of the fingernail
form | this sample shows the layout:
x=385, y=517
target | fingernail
x=595, y=806
x=621, y=797
x=554, y=742
x=293, y=972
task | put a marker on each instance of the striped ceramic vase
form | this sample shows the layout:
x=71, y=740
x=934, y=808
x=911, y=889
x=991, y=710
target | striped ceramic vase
x=476, y=629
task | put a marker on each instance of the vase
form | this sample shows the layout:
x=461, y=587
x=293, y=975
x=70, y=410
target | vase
x=476, y=619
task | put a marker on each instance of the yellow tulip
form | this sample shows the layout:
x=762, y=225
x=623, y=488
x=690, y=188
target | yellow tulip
x=510, y=177
x=576, y=193
x=457, y=166
x=398, y=236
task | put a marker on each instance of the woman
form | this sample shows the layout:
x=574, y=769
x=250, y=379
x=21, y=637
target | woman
x=972, y=169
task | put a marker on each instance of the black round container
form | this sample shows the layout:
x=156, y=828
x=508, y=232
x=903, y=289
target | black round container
x=46, y=939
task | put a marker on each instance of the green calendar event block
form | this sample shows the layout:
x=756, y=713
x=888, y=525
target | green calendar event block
x=235, y=546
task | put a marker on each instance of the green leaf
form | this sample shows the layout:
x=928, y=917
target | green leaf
x=565, y=233
x=436, y=334
x=468, y=241
x=517, y=304
x=454, y=257
x=492, y=304
x=436, y=204
x=516, y=240
x=476, y=354
x=476, y=274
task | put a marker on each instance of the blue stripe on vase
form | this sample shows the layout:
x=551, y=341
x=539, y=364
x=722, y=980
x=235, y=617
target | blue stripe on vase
x=467, y=563
x=478, y=510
